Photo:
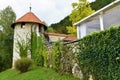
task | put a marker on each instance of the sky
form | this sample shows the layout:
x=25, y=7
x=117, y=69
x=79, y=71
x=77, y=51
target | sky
x=49, y=11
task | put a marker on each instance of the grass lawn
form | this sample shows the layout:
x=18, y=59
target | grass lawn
x=35, y=74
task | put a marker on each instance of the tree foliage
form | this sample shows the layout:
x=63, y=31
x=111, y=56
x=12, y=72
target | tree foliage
x=50, y=29
x=71, y=30
x=80, y=10
x=98, y=4
x=60, y=27
x=7, y=16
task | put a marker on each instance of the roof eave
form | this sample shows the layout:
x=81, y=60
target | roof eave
x=13, y=25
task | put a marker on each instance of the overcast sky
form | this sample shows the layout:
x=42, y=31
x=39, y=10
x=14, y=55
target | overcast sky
x=50, y=11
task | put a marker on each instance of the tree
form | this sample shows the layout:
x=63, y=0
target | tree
x=7, y=16
x=50, y=29
x=71, y=30
x=60, y=27
x=98, y=4
x=80, y=10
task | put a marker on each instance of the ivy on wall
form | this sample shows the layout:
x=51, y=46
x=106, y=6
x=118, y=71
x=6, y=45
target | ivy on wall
x=99, y=55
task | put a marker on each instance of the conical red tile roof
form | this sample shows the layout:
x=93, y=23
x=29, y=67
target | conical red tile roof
x=29, y=17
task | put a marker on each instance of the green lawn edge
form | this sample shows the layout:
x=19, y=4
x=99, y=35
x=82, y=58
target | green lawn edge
x=35, y=74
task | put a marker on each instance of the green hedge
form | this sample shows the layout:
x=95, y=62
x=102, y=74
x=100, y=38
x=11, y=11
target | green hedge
x=100, y=55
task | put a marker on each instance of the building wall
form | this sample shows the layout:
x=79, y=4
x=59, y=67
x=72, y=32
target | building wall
x=100, y=20
x=55, y=38
x=21, y=34
x=78, y=32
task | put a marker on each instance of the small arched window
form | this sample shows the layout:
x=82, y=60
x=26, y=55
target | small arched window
x=23, y=25
x=41, y=28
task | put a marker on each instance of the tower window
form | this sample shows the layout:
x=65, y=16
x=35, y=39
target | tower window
x=23, y=25
x=41, y=28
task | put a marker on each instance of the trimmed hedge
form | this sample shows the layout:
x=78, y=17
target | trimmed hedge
x=100, y=55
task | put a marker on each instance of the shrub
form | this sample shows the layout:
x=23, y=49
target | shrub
x=100, y=55
x=24, y=47
x=38, y=49
x=62, y=58
x=57, y=56
x=23, y=64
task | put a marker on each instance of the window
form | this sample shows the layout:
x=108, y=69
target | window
x=41, y=28
x=23, y=25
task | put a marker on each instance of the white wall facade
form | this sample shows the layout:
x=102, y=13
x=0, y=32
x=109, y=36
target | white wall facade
x=78, y=32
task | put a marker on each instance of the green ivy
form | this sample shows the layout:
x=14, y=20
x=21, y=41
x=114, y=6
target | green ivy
x=99, y=55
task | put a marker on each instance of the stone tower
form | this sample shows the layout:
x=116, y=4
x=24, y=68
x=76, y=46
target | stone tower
x=23, y=28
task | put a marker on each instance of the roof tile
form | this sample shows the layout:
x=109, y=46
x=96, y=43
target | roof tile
x=29, y=17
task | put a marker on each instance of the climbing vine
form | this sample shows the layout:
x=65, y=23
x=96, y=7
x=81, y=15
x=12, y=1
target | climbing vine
x=99, y=55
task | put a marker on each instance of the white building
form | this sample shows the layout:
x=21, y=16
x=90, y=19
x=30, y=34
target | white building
x=100, y=20
x=23, y=27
